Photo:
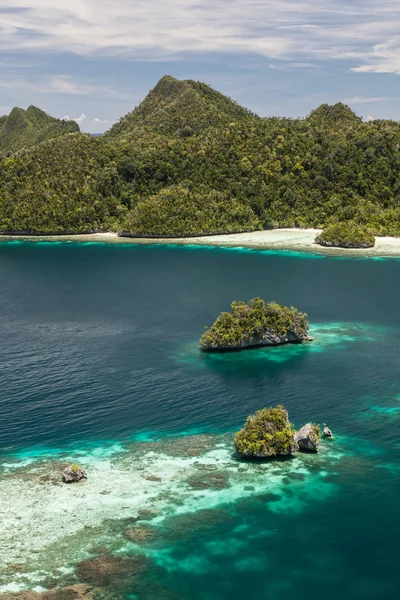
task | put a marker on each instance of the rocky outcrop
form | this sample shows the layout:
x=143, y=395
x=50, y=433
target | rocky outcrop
x=307, y=438
x=256, y=324
x=266, y=434
x=267, y=338
x=342, y=244
x=73, y=474
x=327, y=432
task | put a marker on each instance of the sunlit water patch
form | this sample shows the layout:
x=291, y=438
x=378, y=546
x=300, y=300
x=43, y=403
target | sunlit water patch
x=326, y=337
x=381, y=406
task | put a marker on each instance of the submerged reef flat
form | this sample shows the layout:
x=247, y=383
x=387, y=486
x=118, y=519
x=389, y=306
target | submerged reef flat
x=294, y=240
x=137, y=503
x=326, y=337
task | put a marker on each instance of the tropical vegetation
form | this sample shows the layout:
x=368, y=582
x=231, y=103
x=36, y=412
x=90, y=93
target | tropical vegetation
x=66, y=185
x=191, y=161
x=255, y=324
x=24, y=128
x=267, y=433
x=179, y=211
x=346, y=234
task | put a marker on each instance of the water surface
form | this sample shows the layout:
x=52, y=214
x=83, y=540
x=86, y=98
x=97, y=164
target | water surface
x=99, y=363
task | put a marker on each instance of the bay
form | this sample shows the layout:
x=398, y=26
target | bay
x=100, y=353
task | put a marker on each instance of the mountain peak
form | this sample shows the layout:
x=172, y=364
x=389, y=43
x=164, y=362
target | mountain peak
x=179, y=108
x=331, y=115
x=23, y=128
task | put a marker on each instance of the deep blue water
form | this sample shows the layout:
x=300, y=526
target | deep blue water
x=99, y=343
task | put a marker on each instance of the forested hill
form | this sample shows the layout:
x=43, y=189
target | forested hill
x=179, y=108
x=23, y=128
x=190, y=161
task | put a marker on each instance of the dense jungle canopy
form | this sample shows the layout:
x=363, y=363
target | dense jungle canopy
x=189, y=160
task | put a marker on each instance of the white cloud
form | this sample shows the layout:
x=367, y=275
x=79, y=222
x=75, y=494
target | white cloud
x=104, y=121
x=361, y=30
x=384, y=58
x=78, y=120
x=364, y=32
x=56, y=84
x=363, y=100
x=369, y=118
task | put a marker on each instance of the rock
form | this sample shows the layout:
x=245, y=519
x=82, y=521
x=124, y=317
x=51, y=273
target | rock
x=266, y=434
x=307, y=438
x=73, y=474
x=341, y=244
x=327, y=432
x=254, y=325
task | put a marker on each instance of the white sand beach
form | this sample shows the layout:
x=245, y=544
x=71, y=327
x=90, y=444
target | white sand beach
x=294, y=240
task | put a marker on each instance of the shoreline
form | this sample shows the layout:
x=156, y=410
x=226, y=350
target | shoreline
x=292, y=240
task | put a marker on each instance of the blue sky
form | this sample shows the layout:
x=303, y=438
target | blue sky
x=94, y=60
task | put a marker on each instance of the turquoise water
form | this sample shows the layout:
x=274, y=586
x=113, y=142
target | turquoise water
x=100, y=365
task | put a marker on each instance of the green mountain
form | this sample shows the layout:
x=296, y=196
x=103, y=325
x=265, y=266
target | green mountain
x=190, y=161
x=337, y=116
x=23, y=128
x=66, y=185
x=179, y=108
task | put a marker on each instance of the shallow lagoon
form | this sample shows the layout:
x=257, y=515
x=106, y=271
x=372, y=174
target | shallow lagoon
x=100, y=365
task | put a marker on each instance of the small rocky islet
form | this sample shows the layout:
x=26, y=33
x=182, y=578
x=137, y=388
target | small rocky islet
x=73, y=473
x=269, y=434
x=254, y=325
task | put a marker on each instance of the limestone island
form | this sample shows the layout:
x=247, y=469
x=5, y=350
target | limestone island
x=269, y=434
x=346, y=234
x=254, y=325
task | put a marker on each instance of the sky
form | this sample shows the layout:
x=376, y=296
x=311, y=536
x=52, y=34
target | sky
x=95, y=60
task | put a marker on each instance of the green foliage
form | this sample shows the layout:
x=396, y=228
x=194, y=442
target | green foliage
x=65, y=185
x=338, y=116
x=315, y=433
x=23, y=128
x=75, y=468
x=179, y=108
x=249, y=324
x=346, y=234
x=267, y=433
x=178, y=211
x=189, y=161
x=309, y=172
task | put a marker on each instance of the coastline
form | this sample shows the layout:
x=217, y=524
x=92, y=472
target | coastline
x=292, y=240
